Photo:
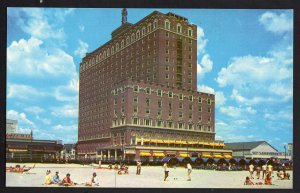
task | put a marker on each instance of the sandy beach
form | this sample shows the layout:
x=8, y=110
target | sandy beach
x=154, y=174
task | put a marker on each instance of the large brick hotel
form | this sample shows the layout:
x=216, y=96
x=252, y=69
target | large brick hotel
x=138, y=95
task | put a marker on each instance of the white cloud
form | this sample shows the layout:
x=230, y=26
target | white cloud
x=236, y=111
x=81, y=28
x=277, y=23
x=82, y=49
x=280, y=115
x=204, y=66
x=220, y=99
x=23, y=92
x=63, y=128
x=43, y=120
x=67, y=92
x=206, y=89
x=70, y=111
x=201, y=41
x=35, y=109
x=283, y=90
x=37, y=61
x=20, y=117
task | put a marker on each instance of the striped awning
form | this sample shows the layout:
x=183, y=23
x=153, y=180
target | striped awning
x=184, y=155
x=207, y=155
x=158, y=154
x=145, y=154
x=227, y=156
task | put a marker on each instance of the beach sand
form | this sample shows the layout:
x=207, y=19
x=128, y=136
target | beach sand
x=151, y=177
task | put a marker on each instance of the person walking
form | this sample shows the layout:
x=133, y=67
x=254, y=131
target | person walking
x=138, y=167
x=251, y=170
x=166, y=169
x=189, y=168
x=264, y=171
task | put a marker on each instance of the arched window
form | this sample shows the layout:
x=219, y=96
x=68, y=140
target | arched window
x=112, y=50
x=167, y=24
x=155, y=24
x=108, y=52
x=190, y=32
x=93, y=60
x=138, y=34
x=179, y=28
x=132, y=37
x=100, y=57
x=149, y=28
x=97, y=59
x=104, y=54
x=122, y=43
x=127, y=40
x=143, y=31
x=117, y=47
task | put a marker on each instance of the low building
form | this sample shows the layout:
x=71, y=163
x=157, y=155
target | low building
x=255, y=150
x=11, y=126
x=23, y=148
x=68, y=152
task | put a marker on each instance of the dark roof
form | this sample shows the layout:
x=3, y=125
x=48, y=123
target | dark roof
x=69, y=147
x=244, y=145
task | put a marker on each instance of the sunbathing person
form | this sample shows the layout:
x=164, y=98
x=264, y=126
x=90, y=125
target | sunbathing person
x=56, y=179
x=268, y=179
x=248, y=181
x=94, y=180
x=286, y=176
x=67, y=181
x=48, y=178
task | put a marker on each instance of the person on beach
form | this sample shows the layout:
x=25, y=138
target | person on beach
x=268, y=179
x=94, y=181
x=264, y=171
x=138, y=167
x=67, y=181
x=286, y=176
x=270, y=169
x=248, y=181
x=258, y=169
x=166, y=169
x=48, y=178
x=251, y=170
x=56, y=179
x=189, y=168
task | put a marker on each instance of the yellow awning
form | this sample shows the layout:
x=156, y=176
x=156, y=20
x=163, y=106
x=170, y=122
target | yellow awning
x=17, y=150
x=183, y=155
x=145, y=154
x=207, y=155
x=205, y=143
x=154, y=141
x=160, y=141
x=146, y=140
x=228, y=156
x=138, y=140
x=171, y=141
x=222, y=144
x=218, y=156
x=158, y=154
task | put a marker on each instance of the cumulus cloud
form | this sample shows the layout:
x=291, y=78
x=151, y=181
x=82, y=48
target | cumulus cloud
x=81, y=28
x=69, y=111
x=36, y=60
x=277, y=23
x=201, y=41
x=206, y=89
x=82, y=49
x=204, y=66
x=21, y=91
x=236, y=111
x=20, y=117
x=35, y=109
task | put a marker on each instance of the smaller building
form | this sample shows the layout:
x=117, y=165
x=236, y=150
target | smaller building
x=255, y=150
x=69, y=152
x=23, y=148
x=11, y=126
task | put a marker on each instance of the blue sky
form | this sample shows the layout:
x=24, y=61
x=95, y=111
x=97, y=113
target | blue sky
x=245, y=58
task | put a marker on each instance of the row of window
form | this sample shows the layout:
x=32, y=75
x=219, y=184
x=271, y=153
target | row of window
x=132, y=38
x=168, y=124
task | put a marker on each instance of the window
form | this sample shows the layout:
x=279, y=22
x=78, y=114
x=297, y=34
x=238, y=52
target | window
x=190, y=126
x=167, y=59
x=123, y=99
x=208, y=110
x=143, y=31
x=167, y=76
x=132, y=37
x=190, y=32
x=167, y=68
x=170, y=113
x=191, y=107
x=147, y=111
x=170, y=94
x=159, y=112
x=127, y=40
x=115, y=101
x=147, y=102
x=155, y=24
x=135, y=109
x=159, y=93
x=122, y=44
x=180, y=96
x=136, y=88
x=179, y=28
x=199, y=127
x=149, y=28
x=159, y=123
x=167, y=51
x=135, y=121
x=159, y=103
x=170, y=124
x=200, y=109
x=191, y=98
x=122, y=109
x=180, y=105
x=167, y=42
x=180, y=114
x=208, y=128
x=180, y=125
x=167, y=24
x=135, y=99
x=200, y=99
x=190, y=116
x=148, y=90
x=208, y=101
x=138, y=34
x=147, y=122
x=170, y=105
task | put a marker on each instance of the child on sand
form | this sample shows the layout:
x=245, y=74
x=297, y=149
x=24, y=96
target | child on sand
x=93, y=181
x=166, y=171
x=268, y=179
x=248, y=181
x=48, y=178
x=67, y=181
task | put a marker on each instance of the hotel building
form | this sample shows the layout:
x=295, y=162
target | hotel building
x=138, y=96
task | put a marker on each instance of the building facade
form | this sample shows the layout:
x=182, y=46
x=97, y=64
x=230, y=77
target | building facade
x=255, y=150
x=11, y=126
x=138, y=97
